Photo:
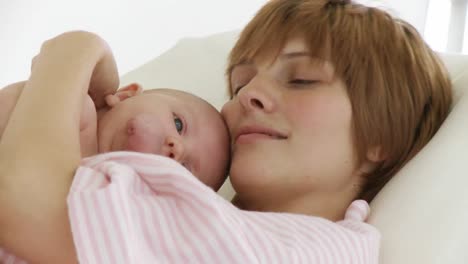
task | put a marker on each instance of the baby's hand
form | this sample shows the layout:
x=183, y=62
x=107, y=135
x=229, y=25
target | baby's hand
x=75, y=49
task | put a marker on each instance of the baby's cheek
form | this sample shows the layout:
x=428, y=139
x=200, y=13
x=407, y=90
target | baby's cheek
x=144, y=135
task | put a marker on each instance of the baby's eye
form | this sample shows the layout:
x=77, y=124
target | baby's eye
x=178, y=124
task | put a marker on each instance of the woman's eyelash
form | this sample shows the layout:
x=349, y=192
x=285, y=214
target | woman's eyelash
x=302, y=81
x=293, y=81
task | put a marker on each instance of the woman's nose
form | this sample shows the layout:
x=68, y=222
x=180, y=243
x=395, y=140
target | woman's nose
x=257, y=95
x=174, y=148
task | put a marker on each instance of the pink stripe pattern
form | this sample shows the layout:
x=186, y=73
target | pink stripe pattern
x=137, y=208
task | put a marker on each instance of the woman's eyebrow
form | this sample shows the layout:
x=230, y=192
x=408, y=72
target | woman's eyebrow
x=315, y=62
x=282, y=56
x=312, y=60
x=290, y=55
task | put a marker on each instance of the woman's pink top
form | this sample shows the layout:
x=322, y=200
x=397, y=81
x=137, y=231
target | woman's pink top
x=140, y=208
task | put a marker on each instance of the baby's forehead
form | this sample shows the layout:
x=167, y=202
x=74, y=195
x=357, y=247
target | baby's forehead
x=189, y=100
x=168, y=91
x=179, y=95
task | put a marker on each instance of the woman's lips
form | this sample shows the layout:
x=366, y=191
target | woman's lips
x=252, y=137
x=248, y=134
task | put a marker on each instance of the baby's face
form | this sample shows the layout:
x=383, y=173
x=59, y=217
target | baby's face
x=171, y=123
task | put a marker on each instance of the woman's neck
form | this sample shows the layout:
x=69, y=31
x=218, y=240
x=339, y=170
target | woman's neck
x=327, y=205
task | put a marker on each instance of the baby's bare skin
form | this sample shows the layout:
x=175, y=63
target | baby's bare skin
x=88, y=123
x=140, y=122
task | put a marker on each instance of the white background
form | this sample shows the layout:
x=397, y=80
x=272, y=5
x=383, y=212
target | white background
x=139, y=30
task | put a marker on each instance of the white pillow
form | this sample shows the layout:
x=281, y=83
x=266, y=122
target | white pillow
x=196, y=65
x=421, y=212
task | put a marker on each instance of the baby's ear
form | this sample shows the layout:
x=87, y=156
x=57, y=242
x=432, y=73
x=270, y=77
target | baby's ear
x=123, y=94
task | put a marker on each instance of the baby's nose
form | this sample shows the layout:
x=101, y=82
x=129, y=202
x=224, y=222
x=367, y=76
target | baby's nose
x=174, y=148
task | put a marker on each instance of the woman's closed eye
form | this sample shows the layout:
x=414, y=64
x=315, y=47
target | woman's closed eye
x=300, y=82
x=294, y=82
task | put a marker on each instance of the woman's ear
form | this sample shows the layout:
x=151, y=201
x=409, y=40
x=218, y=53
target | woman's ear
x=375, y=154
x=123, y=94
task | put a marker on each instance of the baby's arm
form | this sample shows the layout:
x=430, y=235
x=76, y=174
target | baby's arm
x=8, y=97
x=88, y=120
x=43, y=134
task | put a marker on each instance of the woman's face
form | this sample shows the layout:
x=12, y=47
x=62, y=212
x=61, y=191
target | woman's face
x=290, y=122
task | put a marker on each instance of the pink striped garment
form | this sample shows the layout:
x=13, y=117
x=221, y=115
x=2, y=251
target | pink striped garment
x=140, y=208
x=6, y=258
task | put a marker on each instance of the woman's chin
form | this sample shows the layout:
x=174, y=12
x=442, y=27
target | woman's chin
x=246, y=173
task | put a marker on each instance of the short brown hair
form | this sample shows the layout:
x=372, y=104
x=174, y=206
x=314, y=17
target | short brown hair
x=399, y=89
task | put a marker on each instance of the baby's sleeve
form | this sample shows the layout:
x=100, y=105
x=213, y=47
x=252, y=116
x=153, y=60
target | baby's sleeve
x=140, y=208
x=7, y=258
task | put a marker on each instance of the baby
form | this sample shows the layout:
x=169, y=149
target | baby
x=167, y=122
